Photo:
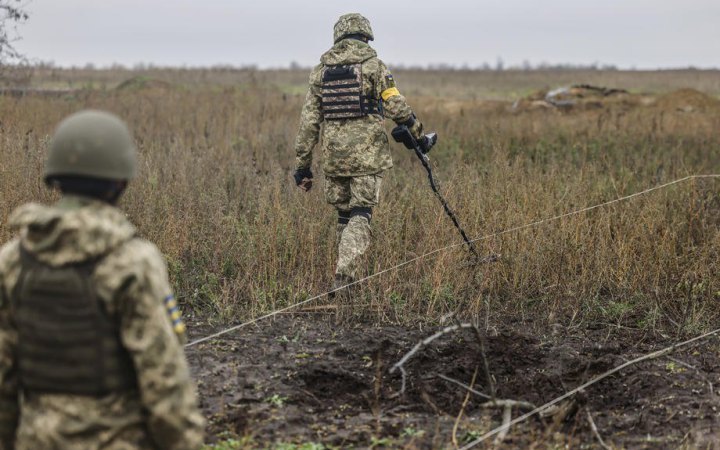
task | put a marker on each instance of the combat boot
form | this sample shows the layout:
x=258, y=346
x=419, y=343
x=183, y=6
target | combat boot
x=339, y=291
x=343, y=296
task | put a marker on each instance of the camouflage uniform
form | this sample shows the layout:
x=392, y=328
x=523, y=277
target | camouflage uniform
x=356, y=150
x=131, y=281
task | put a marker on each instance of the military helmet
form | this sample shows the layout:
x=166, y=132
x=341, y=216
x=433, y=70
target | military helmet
x=353, y=23
x=91, y=144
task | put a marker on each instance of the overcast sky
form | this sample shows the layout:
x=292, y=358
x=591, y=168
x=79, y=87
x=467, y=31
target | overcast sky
x=273, y=33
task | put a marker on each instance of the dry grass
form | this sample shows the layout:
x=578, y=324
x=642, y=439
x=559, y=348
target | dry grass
x=215, y=193
x=468, y=85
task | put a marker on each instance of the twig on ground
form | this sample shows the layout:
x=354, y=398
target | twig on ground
x=491, y=403
x=400, y=364
x=377, y=391
x=595, y=431
x=653, y=355
x=462, y=409
x=507, y=418
x=486, y=366
x=311, y=396
x=426, y=398
x=463, y=385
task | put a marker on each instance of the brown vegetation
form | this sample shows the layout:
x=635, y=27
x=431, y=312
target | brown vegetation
x=215, y=193
x=567, y=300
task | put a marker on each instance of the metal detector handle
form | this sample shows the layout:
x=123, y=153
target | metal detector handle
x=402, y=134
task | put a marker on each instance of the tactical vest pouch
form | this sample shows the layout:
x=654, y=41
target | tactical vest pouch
x=67, y=343
x=342, y=94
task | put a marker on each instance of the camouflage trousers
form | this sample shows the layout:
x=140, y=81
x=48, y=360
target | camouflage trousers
x=67, y=422
x=354, y=198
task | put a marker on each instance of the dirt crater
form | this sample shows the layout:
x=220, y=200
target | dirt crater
x=332, y=385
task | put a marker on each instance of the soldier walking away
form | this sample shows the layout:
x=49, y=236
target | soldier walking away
x=350, y=92
x=91, y=352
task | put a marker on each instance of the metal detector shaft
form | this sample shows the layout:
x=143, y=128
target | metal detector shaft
x=426, y=164
x=402, y=134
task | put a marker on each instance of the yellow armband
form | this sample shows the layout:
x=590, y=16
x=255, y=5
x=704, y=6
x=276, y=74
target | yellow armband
x=390, y=92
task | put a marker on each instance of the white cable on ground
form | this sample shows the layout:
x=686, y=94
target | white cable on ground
x=439, y=250
x=653, y=355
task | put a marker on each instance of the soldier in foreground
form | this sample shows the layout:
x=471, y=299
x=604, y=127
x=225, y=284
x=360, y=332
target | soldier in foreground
x=90, y=335
x=350, y=92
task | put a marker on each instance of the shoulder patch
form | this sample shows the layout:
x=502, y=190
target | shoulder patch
x=174, y=314
x=390, y=80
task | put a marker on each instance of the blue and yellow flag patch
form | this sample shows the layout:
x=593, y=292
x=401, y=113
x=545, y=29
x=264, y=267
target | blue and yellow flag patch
x=175, y=315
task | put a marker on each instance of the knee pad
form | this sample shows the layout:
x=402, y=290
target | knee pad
x=363, y=211
x=343, y=217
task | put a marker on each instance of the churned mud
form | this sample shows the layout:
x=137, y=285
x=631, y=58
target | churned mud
x=302, y=378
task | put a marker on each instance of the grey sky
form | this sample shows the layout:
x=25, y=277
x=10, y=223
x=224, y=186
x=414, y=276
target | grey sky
x=627, y=33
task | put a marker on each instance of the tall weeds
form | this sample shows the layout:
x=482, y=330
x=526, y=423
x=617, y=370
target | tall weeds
x=215, y=193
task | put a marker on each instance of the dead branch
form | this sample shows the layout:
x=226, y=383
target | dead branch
x=424, y=343
x=462, y=409
x=653, y=355
x=377, y=407
x=486, y=366
x=463, y=385
x=507, y=417
x=10, y=17
x=492, y=403
x=426, y=398
x=595, y=431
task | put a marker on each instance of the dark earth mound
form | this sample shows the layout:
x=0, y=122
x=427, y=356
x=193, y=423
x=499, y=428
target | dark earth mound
x=300, y=379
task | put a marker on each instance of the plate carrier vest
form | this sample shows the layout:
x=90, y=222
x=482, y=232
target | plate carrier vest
x=342, y=94
x=67, y=343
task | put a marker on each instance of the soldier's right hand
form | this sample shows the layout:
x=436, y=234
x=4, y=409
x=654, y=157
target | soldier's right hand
x=415, y=127
x=303, y=178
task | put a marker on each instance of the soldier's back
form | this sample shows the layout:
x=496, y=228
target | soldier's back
x=77, y=378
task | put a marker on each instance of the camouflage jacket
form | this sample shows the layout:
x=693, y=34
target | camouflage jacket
x=131, y=280
x=351, y=147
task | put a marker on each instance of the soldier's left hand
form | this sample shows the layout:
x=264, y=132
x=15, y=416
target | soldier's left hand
x=303, y=178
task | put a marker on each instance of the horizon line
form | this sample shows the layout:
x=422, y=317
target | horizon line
x=395, y=66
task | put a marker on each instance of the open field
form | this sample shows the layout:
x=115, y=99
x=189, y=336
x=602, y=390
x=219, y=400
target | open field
x=567, y=300
x=459, y=84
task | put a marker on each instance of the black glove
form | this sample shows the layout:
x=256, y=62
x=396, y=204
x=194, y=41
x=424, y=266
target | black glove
x=303, y=178
x=414, y=126
x=402, y=134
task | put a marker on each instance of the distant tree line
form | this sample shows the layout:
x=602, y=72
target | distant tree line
x=500, y=66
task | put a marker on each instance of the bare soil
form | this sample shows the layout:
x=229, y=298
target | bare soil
x=302, y=378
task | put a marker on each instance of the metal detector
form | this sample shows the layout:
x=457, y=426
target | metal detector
x=402, y=134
